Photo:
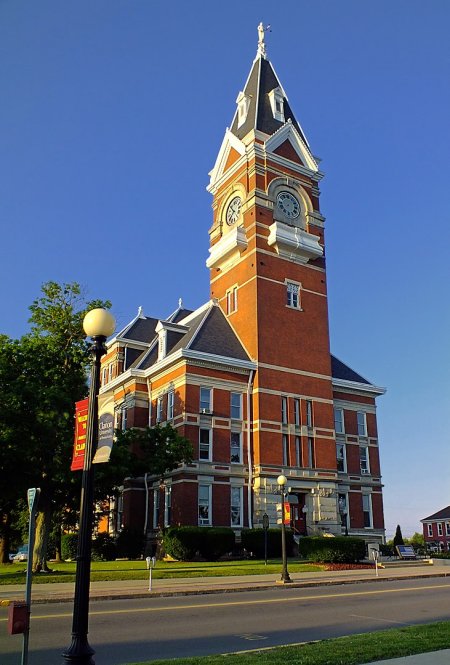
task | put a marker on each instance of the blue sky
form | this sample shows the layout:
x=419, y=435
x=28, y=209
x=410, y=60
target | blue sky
x=112, y=114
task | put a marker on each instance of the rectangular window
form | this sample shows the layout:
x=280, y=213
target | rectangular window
x=293, y=295
x=343, y=510
x=297, y=412
x=311, y=455
x=204, y=449
x=367, y=510
x=236, y=406
x=159, y=408
x=364, y=460
x=430, y=530
x=309, y=413
x=341, y=460
x=286, y=456
x=205, y=400
x=124, y=419
x=232, y=300
x=110, y=371
x=440, y=531
x=235, y=448
x=204, y=505
x=236, y=506
x=167, y=505
x=284, y=410
x=298, y=451
x=104, y=375
x=156, y=508
x=170, y=404
x=447, y=528
x=362, y=424
x=339, y=421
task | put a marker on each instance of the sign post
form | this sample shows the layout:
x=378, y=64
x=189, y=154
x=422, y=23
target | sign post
x=151, y=561
x=33, y=500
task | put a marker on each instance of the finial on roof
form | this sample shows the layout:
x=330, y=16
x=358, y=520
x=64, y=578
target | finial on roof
x=140, y=312
x=261, y=44
x=180, y=303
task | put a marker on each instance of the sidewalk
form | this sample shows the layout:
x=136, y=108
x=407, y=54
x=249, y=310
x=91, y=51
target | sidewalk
x=51, y=593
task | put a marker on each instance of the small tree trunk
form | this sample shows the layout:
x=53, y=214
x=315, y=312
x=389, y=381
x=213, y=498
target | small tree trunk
x=43, y=522
x=5, y=533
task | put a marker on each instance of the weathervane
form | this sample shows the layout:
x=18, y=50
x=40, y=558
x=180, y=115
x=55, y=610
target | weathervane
x=261, y=45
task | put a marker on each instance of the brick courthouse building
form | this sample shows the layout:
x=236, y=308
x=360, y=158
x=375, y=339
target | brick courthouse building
x=248, y=377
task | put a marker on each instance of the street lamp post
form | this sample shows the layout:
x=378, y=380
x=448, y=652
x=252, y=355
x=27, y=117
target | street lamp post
x=281, y=480
x=98, y=324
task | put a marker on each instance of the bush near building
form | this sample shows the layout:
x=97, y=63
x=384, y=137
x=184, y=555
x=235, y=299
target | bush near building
x=184, y=542
x=253, y=542
x=69, y=542
x=332, y=550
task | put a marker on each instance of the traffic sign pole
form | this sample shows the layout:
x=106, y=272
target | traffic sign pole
x=33, y=500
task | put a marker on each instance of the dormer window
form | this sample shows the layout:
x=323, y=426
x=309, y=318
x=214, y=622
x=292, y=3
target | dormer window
x=277, y=104
x=243, y=102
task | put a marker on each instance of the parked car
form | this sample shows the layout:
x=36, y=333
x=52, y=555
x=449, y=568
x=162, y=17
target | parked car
x=22, y=554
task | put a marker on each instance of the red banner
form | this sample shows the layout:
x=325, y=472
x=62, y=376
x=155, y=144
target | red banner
x=81, y=415
x=287, y=513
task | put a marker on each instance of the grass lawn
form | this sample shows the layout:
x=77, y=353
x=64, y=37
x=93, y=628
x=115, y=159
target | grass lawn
x=353, y=650
x=14, y=573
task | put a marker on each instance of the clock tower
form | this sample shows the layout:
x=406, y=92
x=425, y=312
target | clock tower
x=268, y=273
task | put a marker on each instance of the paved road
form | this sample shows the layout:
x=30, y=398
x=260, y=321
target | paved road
x=130, y=630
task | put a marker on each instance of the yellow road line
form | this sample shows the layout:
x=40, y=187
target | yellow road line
x=237, y=603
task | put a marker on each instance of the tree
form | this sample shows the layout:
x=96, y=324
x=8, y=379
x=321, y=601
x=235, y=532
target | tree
x=48, y=377
x=398, y=538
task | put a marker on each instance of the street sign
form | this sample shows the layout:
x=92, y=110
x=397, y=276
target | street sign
x=33, y=498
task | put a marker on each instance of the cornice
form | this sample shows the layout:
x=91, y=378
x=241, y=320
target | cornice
x=357, y=387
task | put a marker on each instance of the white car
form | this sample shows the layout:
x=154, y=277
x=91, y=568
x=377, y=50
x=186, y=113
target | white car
x=22, y=554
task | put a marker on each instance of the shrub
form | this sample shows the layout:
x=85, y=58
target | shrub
x=216, y=542
x=103, y=548
x=130, y=544
x=332, y=550
x=69, y=543
x=183, y=542
x=253, y=541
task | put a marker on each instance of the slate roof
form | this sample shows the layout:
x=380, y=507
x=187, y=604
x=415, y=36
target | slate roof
x=340, y=370
x=141, y=330
x=443, y=514
x=261, y=81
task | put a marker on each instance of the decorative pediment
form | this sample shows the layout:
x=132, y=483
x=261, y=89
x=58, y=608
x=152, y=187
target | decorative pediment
x=230, y=151
x=288, y=143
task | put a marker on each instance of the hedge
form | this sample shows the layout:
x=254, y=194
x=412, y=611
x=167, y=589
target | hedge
x=253, y=541
x=130, y=543
x=69, y=543
x=184, y=542
x=342, y=549
x=103, y=548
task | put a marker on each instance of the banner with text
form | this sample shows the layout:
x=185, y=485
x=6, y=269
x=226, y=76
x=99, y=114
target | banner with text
x=105, y=428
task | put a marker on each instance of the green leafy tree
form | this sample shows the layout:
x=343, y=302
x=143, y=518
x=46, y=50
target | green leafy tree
x=398, y=538
x=48, y=376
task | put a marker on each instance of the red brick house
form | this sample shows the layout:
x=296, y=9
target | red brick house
x=436, y=530
x=248, y=377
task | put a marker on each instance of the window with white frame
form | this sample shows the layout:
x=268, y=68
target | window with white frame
x=232, y=300
x=309, y=413
x=170, y=404
x=430, y=530
x=297, y=412
x=285, y=444
x=167, y=505
x=293, y=295
x=110, y=371
x=367, y=510
x=277, y=103
x=311, y=453
x=362, y=423
x=236, y=506
x=284, y=410
x=159, y=409
x=204, y=505
x=440, y=530
x=341, y=457
x=447, y=528
x=236, y=406
x=364, y=460
x=298, y=451
x=343, y=509
x=339, y=421
x=236, y=447
x=156, y=508
x=104, y=375
x=124, y=418
x=205, y=400
x=204, y=446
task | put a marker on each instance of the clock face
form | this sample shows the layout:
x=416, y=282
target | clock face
x=288, y=205
x=233, y=210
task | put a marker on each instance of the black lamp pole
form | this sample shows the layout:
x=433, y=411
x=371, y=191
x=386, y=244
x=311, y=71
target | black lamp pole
x=284, y=571
x=80, y=652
